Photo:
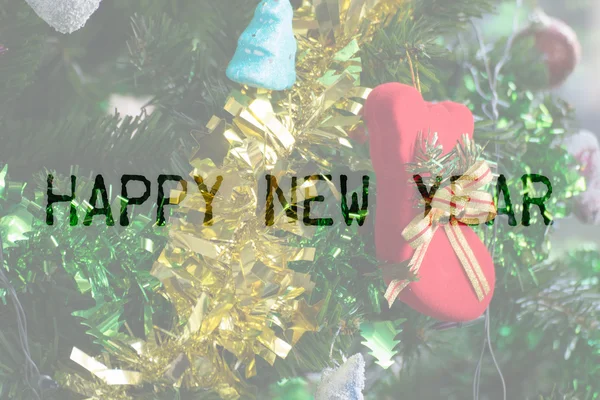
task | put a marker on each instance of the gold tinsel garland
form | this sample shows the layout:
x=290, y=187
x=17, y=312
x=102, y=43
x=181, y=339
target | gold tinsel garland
x=230, y=283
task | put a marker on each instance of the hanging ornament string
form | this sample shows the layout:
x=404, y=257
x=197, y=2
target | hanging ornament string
x=32, y=373
x=414, y=70
x=487, y=341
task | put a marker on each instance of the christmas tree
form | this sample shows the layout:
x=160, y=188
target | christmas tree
x=224, y=297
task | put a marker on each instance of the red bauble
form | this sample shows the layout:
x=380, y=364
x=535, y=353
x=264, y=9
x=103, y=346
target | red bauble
x=558, y=44
x=395, y=114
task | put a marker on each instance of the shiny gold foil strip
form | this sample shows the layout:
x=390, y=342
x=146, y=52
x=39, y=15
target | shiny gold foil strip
x=110, y=376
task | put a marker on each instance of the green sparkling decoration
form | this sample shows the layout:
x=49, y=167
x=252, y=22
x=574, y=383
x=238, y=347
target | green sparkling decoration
x=107, y=265
x=525, y=140
x=380, y=339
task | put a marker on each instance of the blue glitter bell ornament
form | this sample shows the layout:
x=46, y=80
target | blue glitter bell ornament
x=266, y=53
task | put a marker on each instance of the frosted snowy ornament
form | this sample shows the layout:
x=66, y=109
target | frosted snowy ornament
x=66, y=16
x=344, y=383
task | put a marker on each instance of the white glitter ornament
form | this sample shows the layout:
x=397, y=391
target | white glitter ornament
x=344, y=383
x=66, y=16
x=587, y=207
x=584, y=146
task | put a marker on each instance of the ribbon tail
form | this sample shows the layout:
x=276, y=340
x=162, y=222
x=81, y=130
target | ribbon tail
x=393, y=291
x=467, y=259
x=476, y=267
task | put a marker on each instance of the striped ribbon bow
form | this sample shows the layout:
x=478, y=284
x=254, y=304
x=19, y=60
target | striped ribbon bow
x=460, y=202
